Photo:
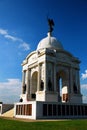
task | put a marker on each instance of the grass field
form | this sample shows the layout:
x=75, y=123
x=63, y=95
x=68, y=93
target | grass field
x=6, y=124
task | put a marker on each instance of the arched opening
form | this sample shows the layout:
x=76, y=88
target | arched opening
x=62, y=86
x=34, y=85
x=59, y=87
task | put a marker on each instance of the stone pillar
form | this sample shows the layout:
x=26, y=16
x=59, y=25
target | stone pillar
x=23, y=79
x=27, y=81
x=55, y=77
x=78, y=81
x=71, y=81
x=67, y=83
x=39, y=78
x=45, y=76
x=30, y=82
x=68, y=80
x=27, y=84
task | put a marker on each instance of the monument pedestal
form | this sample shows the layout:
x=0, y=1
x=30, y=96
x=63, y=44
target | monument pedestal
x=49, y=96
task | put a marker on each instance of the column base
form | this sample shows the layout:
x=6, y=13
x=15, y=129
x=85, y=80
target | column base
x=75, y=98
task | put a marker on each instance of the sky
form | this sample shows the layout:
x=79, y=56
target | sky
x=23, y=23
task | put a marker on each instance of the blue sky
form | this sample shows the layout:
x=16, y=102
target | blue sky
x=23, y=23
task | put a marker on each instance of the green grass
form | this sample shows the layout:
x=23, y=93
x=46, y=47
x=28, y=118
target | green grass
x=6, y=124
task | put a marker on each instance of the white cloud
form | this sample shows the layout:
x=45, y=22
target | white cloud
x=3, y=32
x=11, y=37
x=10, y=90
x=84, y=92
x=23, y=45
x=84, y=99
x=84, y=86
x=10, y=83
x=84, y=75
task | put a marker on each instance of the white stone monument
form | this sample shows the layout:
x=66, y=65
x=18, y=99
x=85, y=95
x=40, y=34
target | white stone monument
x=50, y=76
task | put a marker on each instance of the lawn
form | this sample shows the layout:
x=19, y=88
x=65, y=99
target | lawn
x=6, y=124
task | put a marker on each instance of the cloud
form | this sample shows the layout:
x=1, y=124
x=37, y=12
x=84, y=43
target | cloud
x=84, y=99
x=84, y=75
x=84, y=86
x=10, y=83
x=84, y=92
x=23, y=45
x=10, y=90
x=3, y=32
x=12, y=38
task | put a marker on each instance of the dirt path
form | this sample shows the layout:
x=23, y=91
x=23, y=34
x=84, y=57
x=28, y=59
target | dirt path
x=30, y=120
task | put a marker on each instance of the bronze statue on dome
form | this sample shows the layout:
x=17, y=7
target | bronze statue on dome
x=51, y=24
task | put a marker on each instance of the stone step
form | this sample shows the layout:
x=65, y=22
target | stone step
x=9, y=113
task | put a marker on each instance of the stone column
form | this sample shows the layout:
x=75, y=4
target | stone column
x=55, y=77
x=71, y=81
x=23, y=79
x=27, y=84
x=78, y=81
x=45, y=76
x=30, y=86
x=68, y=81
x=39, y=78
x=27, y=81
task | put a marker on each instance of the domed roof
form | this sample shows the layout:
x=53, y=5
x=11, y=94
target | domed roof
x=49, y=42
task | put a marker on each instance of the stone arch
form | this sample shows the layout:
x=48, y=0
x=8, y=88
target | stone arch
x=62, y=84
x=34, y=85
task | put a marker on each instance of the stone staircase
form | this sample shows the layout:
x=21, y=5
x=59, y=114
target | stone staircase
x=6, y=110
x=9, y=113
